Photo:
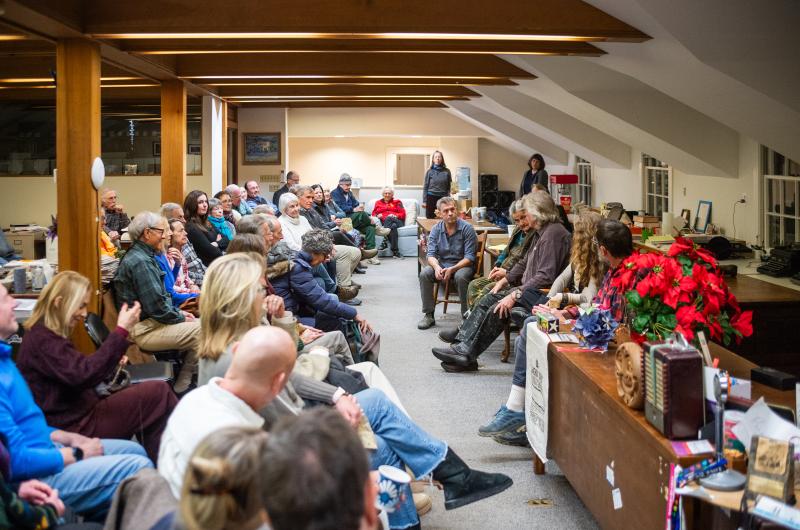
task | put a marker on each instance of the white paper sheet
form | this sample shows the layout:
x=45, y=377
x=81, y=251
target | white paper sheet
x=760, y=420
x=537, y=388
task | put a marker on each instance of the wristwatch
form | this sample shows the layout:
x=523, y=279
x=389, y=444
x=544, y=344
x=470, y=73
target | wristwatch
x=517, y=294
x=77, y=452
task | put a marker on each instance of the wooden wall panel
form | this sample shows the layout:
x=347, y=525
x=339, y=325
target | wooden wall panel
x=173, y=142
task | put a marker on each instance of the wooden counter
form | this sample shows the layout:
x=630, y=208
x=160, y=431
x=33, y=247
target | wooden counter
x=590, y=428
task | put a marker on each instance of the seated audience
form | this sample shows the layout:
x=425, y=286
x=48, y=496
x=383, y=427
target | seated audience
x=107, y=247
x=451, y=257
x=228, y=211
x=259, y=225
x=238, y=202
x=258, y=374
x=63, y=379
x=6, y=250
x=521, y=239
x=577, y=284
x=292, y=179
x=216, y=216
x=302, y=294
x=173, y=211
x=206, y=240
x=254, y=197
x=333, y=209
x=177, y=261
x=319, y=219
x=162, y=327
x=327, y=209
x=353, y=209
x=84, y=471
x=520, y=288
x=224, y=486
x=170, y=260
x=391, y=213
x=116, y=219
x=319, y=447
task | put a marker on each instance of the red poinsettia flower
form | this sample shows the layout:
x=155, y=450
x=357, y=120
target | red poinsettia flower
x=743, y=323
x=681, y=245
x=681, y=291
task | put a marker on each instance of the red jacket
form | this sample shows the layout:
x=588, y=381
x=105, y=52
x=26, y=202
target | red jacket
x=383, y=208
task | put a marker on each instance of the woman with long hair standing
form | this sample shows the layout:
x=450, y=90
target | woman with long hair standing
x=205, y=239
x=63, y=379
x=534, y=175
x=436, y=185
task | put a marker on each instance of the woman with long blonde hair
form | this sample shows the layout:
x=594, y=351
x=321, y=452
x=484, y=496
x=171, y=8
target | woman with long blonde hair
x=63, y=379
x=577, y=284
x=223, y=487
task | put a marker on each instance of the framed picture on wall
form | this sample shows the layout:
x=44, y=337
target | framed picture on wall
x=261, y=148
x=156, y=148
x=194, y=149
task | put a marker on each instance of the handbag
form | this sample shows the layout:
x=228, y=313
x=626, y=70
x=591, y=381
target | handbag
x=119, y=381
x=365, y=346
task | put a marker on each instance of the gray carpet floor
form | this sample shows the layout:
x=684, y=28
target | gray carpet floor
x=453, y=406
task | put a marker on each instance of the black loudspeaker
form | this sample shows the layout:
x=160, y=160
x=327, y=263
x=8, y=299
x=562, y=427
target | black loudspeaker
x=488, y=183
x=489, y=198
x=505, y=199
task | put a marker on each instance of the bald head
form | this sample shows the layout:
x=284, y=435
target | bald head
x=262, y=362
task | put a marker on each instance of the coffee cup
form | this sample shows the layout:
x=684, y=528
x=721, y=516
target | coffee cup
x=393, y=488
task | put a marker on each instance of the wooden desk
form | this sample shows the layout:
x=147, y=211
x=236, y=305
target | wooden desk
x=776, y=319
x=425, y=225
x=590, y=427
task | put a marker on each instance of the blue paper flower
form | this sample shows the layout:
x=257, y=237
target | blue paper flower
x=595, y=328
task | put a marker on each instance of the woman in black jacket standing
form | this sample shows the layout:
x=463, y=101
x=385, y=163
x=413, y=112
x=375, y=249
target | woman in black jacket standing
x=205, y=239
x=535, y=175
x=437, y=184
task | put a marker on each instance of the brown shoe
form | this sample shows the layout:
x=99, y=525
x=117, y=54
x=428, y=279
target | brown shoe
x=422, y=503
x=367, y=254
x=347, y=293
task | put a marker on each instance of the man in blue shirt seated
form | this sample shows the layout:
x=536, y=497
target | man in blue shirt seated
x=353, y=209
x=254, y=197
x=451, y=256
x=85, y=471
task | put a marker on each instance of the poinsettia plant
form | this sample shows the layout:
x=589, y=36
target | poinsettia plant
x=682, y=292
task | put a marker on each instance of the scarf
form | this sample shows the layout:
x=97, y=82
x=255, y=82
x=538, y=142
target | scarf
x=222, y=226
x=437, y=167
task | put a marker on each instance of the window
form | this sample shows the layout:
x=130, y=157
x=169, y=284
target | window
x=657, y=184
x=584, y=169
x=781, y=178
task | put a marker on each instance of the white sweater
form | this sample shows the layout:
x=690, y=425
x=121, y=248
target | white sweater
x=201, y=412
x=293, y=233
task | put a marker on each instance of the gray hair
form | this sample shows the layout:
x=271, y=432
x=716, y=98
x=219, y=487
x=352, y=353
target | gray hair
x=317, y=242
x=264, y=209
x=233, y=188
x=142, y=221
x=445, y=200
x=345, y=178
x=251, y=224
x=540, y=206
x=300, y=189
x=168, y=207
x=388, y=188
x=286, y=199
x=213, y=203
x=516, y=206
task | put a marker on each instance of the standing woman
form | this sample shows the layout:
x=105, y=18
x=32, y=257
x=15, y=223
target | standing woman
x=535, y=175
x=63, y=380
x=203, y=237
x=437, y=184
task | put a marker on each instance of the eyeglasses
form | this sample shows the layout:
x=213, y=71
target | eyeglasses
x=160, y=230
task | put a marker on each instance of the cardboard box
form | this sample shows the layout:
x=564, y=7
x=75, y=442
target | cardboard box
x=464, y=205
x=29, y=245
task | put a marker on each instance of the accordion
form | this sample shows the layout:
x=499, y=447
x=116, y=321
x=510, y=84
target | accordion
x=673, y=381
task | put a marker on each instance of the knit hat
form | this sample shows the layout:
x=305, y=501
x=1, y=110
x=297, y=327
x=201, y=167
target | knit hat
x=345, y=178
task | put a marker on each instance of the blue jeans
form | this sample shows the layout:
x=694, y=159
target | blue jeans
x=324, y=279
x=520, y=355
x=88, y=486
x=401, y=442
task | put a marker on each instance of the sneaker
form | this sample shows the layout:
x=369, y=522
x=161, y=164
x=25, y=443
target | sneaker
x=518, y=437
x=504, y=420
x=374, y=261
x=426, y=322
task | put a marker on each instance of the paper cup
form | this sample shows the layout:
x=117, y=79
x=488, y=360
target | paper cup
x=393, y=485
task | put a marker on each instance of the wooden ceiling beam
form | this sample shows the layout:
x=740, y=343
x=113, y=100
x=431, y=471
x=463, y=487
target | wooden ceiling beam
x=338, y=90
x=342, y=81
x=347, y=18
x=209, y=46
x=311, y=104
x=332, y=65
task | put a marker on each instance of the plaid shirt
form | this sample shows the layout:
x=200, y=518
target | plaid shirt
x=609, y=297
x=115, y=222
x=140, y=278
x=197, y=270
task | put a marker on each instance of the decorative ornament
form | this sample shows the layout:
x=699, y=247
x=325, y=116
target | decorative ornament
x=630, y=380
x=595, y=328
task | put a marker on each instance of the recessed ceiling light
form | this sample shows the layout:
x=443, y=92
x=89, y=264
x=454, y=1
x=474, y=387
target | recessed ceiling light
x=313, y=35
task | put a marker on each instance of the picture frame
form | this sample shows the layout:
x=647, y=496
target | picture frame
x=702, y=217
x=194, y=149
x=262, y=149
x=156, y=148
x=686, y=215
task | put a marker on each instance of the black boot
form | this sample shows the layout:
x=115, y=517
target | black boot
x=463, y=485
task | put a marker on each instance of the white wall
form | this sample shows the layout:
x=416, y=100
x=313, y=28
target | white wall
x=497, y=160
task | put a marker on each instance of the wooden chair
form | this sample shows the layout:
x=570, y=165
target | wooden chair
x=479, y=248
